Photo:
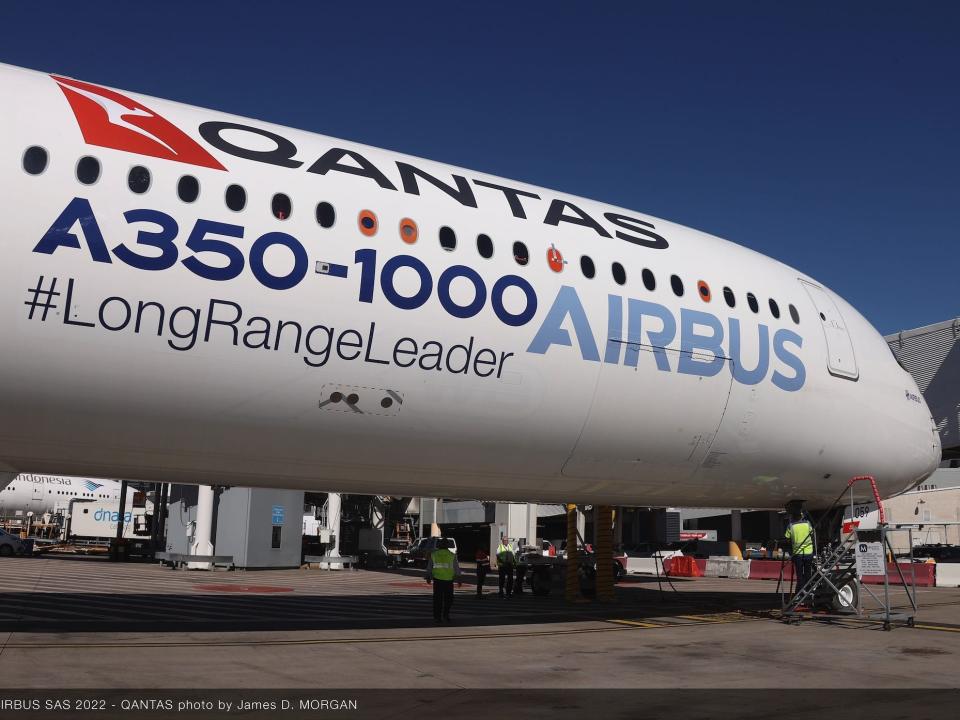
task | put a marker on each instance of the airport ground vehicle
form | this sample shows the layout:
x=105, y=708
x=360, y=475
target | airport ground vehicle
x=586, y=551
x=542, y=570
x=939, y=552
x=94, y=519
x=12, y=545
x=418, y=553
x=400, y=543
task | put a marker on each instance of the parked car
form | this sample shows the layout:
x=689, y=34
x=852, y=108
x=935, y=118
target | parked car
x=619, y=558
x=562, y=551
x=14, y=545
x=408, y=555
x=421, y=549
x=619, y=564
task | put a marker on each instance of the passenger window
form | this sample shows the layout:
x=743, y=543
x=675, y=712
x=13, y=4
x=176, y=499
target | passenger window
x=752, y=302
x=794, y=315
x=281, y=206
x=704, y=291
x=677, y=284
x=139, y=179
x=448, y=239
x=649, y=281
x=587, y=267
x=619, y=274
x=520, y=253
x=188, y=189
x=35, y=160
x=88, y=170
x=409, y=231
x=729, y=297
x=484, y=246
x=367, y=222
x=774, y=308
x=236, y=198
x=326, y=215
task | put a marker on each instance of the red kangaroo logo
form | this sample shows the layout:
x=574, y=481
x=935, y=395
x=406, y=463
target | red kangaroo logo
x=109, y=119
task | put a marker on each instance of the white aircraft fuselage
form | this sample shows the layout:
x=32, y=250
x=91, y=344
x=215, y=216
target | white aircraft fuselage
x=190, y=296
x=39, y=494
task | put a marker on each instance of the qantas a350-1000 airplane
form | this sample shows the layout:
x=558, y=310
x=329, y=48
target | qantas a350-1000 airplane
x=190, y=296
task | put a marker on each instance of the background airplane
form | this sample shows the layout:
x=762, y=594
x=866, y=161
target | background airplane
x=41, y=494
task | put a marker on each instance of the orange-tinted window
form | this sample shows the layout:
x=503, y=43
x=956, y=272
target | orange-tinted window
x=367, y=222
x=408, y=231
x=704, y=291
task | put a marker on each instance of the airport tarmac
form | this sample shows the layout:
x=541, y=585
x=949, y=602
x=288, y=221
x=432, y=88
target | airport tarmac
x=274, y=628
x=87, y=623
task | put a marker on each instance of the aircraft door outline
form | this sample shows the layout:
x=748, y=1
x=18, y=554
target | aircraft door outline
x=841, y=357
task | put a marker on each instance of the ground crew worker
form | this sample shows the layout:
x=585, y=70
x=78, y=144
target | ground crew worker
x=800, y=535
x=505, y=562
x=483, y=567
x=521, y=573
x=442, y=570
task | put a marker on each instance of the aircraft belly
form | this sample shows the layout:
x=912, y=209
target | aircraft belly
x=649, y=430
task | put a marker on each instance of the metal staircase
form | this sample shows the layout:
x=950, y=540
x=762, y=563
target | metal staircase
x=837, y=578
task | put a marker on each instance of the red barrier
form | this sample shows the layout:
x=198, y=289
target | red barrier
x=925, y=573
x=770, y=570
x=683, y=566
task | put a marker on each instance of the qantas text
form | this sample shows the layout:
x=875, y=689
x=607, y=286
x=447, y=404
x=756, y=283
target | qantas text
x=282, y=152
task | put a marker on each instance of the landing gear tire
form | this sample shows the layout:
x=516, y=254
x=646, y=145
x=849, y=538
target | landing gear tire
x=540, y=581
x=618, y=571
x=846, y=600
x=587, y=575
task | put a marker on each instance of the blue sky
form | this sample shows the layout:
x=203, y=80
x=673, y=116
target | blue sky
x=824, y=134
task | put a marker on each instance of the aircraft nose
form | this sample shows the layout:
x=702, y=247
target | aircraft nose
x=934, y=447
x=920, y=454
x=936, y=452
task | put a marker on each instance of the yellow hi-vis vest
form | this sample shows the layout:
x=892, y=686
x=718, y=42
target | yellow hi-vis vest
x=504, y=554
x=800, y=534
x=442, y=564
